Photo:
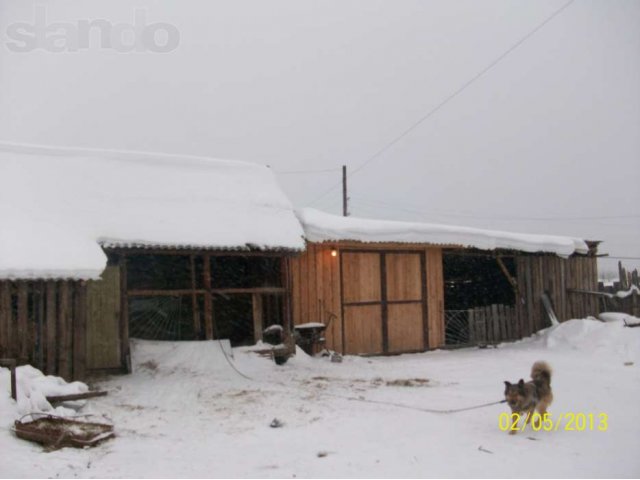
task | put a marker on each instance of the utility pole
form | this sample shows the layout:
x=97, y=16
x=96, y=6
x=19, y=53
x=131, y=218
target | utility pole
x=345, y=209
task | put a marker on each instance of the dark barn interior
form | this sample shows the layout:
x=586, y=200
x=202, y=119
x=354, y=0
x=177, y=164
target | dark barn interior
x=170, y=296
x=473, y=280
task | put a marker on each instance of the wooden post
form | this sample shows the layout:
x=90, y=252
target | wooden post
x=473, y=335
x=287, y=281
x=23, y=333
x=495, y=320
x=51, y=336
x=10, y=363
x=65, y=329
x=487, y=324
x=257, y=316
x=345, y=207
x=197, y=327
x=125, y=348
x=79, y=330
x=5, y=319
x=40, y=334
x=208, y=300
x=384, y=305
x=528, y=325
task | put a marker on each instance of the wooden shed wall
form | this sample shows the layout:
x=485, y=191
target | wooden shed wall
x=64, y=328
x=43, y=323
x=316, y=288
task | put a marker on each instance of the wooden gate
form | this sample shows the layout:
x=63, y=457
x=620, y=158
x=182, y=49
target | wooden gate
x=383, y=301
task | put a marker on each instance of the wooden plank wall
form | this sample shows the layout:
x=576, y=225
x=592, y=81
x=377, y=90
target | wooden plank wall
x=539, y=273
x=43, y=323
x=316, y=289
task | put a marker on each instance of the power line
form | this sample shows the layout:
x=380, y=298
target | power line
x=449, y=98
x=487, y=217
x=299, y=172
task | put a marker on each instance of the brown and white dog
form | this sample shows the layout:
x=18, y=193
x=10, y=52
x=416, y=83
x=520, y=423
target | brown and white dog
x=526, y=397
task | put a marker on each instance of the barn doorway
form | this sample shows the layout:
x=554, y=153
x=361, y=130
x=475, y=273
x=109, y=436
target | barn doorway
x=383, y=301
x=476, y=283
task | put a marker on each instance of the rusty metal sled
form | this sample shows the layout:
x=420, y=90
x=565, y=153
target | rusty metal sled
x=57, y=432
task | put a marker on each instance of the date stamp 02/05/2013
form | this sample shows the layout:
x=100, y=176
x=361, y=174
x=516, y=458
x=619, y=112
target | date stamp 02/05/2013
x=575, y=422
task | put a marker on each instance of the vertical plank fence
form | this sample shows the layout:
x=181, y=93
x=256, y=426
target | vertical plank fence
x=481, y=326
x=492, y=324
x=42, y=323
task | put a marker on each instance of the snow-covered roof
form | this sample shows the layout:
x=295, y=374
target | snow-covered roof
x=324, y=227
x=58, y=206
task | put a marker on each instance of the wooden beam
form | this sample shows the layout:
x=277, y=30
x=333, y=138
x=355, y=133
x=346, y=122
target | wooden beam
x=75, y=396
x=165, y=293
x=202, y=291
x=589, y=292
x=230, y=291
x=546, y=302
x=211, y=253
x=512, y=281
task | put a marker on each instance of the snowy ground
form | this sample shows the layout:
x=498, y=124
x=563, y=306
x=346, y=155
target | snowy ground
x=185, y=412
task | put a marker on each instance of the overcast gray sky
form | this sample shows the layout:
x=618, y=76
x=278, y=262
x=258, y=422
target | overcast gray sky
x=545, y=140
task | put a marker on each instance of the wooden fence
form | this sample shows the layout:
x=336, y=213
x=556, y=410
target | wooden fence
x=623, y=295
x=481, y=326
x=493, y=324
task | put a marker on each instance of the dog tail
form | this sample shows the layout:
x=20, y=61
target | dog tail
x=541, y=373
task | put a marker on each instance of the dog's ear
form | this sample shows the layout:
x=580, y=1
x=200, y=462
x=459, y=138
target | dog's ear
x=521, y=386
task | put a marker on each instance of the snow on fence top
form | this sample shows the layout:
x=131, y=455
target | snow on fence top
x=58, y=206
x=324, y=227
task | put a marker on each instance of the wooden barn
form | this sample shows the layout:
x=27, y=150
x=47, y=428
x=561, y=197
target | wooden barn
x=100, y=247
x=385, y=287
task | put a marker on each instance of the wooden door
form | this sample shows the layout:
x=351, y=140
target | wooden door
x=406, y=322
x=383, y=302
x=362, y=302
x=103, y=321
